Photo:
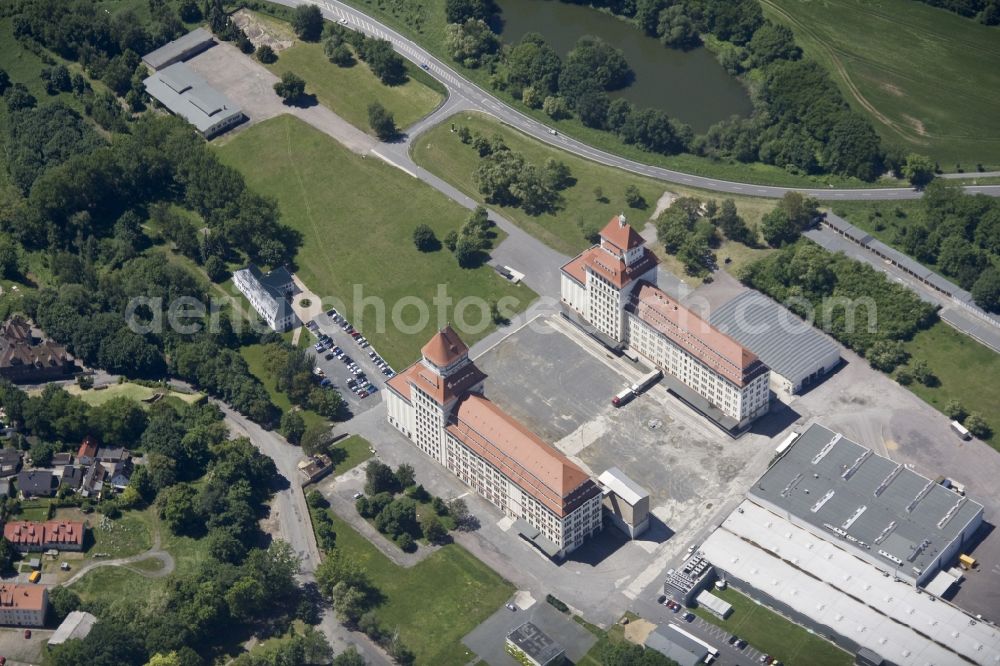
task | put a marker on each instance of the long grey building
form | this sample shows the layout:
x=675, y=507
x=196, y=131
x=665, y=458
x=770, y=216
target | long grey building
x=182, y=48
x=903, y=523
x=186, y=94
x=797, y=353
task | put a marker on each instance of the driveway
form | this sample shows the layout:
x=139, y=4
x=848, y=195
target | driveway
x=251, y=86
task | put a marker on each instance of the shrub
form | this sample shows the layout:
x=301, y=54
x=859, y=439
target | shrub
x=424, y=239
x=266, y=54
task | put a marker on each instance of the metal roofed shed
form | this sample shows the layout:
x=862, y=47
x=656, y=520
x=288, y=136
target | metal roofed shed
x=676, y=646
x=797, y=353
x=185, y=93
x=180, y=49
x=77, y=625
x=885, y=513
x=533, y=644
x=713, y=604
x=625, y=502
x=823, y=585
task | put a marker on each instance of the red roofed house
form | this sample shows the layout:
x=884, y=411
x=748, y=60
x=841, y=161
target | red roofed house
x=23, y=605
x=88, y=451
x=54, y=534
x=612, y=286
x=437, y=404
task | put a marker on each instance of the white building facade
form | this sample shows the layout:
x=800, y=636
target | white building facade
x=612, y=286
x=437, y=405
x=269, y=295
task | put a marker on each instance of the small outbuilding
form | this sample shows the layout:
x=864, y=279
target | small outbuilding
x=714, y=605
x=675, y=645
x=529, y=644
x=626, y=503
x=77, y=625
x=798, y=355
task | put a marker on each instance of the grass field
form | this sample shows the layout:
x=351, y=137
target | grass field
x=771, y=633
x=441, y=152
x=963, y=367
x=254, y=356
x=433, y=604
x=348, y=91
x=35, y=510
x=131, y=391
x=358, y=450
x=356, y=217
x=929, y=79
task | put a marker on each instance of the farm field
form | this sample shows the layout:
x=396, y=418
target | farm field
x=929, y=79
x=357, y=217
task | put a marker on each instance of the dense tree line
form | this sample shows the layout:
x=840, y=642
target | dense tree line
x=956, y=232
x=848, y=299
x=291, y=368
x=801, y=121
x=984, y=11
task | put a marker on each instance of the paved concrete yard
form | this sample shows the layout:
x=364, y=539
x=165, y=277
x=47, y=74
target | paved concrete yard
x=487, y=640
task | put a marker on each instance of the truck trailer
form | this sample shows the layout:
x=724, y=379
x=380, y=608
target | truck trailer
x=622, y=397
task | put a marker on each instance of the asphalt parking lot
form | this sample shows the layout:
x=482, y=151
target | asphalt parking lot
x=336, y=370
x=487, y=640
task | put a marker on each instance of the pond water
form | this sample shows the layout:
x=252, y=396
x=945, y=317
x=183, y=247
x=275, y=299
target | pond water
x=689, y=85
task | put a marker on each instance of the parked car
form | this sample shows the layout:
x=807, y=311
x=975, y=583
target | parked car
x=372, y=389
x=661, y=599
x=765, y=659
x=326, y=382
x=332, y=312
x=330, y=356
x=27, y=633
x=510, y=607
x=689, y=617
x=358, y=495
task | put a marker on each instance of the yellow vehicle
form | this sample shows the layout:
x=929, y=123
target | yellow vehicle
x=35, y=576
x=967, y=562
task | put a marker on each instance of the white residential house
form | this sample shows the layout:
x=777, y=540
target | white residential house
x=269, y=294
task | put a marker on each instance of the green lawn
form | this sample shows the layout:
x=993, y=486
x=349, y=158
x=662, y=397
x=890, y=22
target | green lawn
x=433, y=604
x=126, y=536
x=424, y=22
x=772, y=633
x=356, y=217
x=131, y=391
x=35, y=510
x=440, y=151
x=963, y=367
x=358, y=450
x=929, y=79
x=254, y=356
x=347, y=91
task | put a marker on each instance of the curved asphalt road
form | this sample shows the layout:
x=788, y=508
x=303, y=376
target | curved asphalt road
x=465, y=95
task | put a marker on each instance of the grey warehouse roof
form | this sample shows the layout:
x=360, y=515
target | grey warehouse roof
x=177, y=49
x=535, y=643
x=785, y=343
x=674, y=645
x=872, y=503
x=184, y=92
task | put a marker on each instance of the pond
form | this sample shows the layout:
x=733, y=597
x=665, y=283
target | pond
x=691, y=86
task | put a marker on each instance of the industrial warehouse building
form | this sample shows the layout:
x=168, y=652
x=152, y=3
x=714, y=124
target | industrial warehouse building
x=901, y=522
x=182, y=48
x=797, y=354
x=437, y=403
x=182, y=90
x=626, y=503
x=529, y=644
x=841, y=540
x=612, y=288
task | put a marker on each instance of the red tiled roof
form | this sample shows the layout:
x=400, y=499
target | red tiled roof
x=441, y=390
x=692, y=333
x=26, y=597
x=611, y=268
x=444, y=348
x=621, y=234
x=88, y=448
x=53, y=532
x=536, y=467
